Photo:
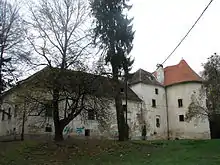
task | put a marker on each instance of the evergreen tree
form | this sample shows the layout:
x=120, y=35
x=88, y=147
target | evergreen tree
x=113, y=31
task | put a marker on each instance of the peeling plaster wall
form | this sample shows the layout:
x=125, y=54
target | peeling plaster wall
x=7, y=125
x=147, y=93
x=37, y=124
x=197, y=128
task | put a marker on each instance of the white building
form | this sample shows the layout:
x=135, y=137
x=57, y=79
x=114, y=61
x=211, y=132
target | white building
x=161, y=98
x=167, y=94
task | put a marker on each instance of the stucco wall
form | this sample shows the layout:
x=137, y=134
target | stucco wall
x=197, y=128
x=7, y=125
x=147, y=93
x=37, y=124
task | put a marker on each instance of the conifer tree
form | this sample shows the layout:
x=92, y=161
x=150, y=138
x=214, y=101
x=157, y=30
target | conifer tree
x=113, y=32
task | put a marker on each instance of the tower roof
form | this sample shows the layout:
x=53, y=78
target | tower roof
x=179, y=73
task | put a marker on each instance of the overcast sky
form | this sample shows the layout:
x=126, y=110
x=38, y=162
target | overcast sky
x=160, y=24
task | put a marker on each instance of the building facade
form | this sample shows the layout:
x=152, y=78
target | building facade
x=158, y=100
x=166, y=94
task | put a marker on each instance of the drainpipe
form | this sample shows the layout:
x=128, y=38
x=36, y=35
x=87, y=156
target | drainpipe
x=168, y=127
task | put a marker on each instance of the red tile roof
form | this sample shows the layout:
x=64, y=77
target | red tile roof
x=180, y=73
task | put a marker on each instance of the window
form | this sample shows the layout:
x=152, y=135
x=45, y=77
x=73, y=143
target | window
x=156, y=91
x=87, y=132
x=158, y=121
x=48, y=128
x=153, y=103
x=48, y=110
x=138, y=116
x=124, y=108
x=9, y=113
x=180, y=103
x=122, y=90
x=151, y=78
x=91, y=115
x=3, y=114
x=181, y=117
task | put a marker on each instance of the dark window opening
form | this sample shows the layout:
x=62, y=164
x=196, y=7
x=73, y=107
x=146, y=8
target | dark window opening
x=48, y=128
x=9, y=113
x=91, y=115
x=122, y=90
x=138, y=116
x=156, y=91
x=124, y=108
x=152, y=78
x=180, y=103
x=87, y=132
x=3, y=115
x=158, y=122
x=48, y=110
x=153, y=103
x=181, y=117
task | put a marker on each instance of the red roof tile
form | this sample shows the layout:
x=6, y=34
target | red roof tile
x=179, y=73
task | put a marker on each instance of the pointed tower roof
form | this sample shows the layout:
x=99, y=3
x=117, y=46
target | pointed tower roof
x=142, y=76
x=179, y=73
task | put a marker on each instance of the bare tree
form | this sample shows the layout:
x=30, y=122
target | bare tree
x=60, y=34
x=79, y=94
x=12, y=41
x=197, y=108
x=60, y=38
x=206, y=103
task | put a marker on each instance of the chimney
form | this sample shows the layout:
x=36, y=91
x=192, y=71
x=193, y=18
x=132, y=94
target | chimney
x=160, y=73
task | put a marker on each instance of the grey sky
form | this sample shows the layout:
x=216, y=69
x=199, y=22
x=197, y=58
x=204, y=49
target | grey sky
x=160, y=24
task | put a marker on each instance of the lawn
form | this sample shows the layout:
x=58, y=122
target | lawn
x=103, y=152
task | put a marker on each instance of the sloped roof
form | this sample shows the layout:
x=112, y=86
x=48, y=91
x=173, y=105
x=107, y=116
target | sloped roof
x=142, y=76
x=95, y=84
x=180, y=73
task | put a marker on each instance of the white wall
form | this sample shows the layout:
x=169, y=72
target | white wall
x=147, y=93
x=193, y=129
x=7, y=125
x=37, y=124
x=197, y=128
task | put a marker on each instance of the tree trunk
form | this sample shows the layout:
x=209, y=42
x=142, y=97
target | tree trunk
x=119, y=108
x=56, y=119
x=22, y=128
x=126, y=131
x=214, y=124
x=120, y=118
x=126, y=100
x=58, y=133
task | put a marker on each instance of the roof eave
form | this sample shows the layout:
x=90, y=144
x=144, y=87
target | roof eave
x=184, y=82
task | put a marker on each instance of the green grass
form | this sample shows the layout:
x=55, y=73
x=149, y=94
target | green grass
x=96, y=152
